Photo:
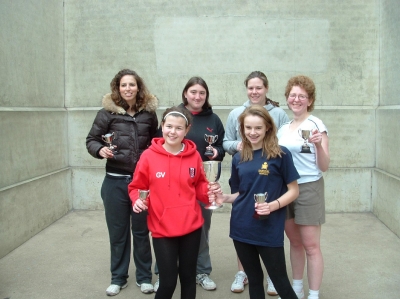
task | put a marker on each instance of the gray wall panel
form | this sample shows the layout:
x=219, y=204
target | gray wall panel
x=36, y=143
x=28, y=208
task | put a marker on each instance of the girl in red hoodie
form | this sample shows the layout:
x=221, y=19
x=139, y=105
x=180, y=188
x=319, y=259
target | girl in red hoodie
x=171, y=168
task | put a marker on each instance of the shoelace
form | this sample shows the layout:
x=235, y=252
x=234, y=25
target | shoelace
x=239, y=278
x=203, y=277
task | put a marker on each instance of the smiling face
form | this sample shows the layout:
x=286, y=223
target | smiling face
x=298, y=101
x=174, y=129
x=128, y=88
x=255, y=130
x=256, y=91
x=196, y=97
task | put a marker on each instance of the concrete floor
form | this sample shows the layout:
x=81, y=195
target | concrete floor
x=70, y=259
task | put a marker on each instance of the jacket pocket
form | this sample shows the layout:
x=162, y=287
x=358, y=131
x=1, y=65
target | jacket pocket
x=179, y=220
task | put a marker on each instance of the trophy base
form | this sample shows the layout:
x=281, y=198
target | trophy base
x=213, y=206
x=305, y=150
x=209, y=154
x=260, y=217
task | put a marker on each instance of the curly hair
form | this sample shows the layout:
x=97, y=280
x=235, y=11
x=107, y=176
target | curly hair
x=270, y=146
x=262, y=77
x=305, y=83
x=193, y=81
x=141, y=97
x=178, y=111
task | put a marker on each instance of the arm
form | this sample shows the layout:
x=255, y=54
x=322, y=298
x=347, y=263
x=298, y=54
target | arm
x=284, y=200
x=140, y=182
x=229, y=198
x=321, y=143
x=154, y=127
x=94, y=142
x=230, y=142
x=215, y=194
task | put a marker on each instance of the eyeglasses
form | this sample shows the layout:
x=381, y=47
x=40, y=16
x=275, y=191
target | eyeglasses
x=302, y=97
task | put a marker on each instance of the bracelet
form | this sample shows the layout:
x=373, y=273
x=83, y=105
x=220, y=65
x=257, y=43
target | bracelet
x=279, y=203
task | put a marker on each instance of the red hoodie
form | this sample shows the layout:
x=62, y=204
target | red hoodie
x=175, y=182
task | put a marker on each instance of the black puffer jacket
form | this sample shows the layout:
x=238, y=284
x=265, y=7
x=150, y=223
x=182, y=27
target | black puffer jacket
x=132, y=134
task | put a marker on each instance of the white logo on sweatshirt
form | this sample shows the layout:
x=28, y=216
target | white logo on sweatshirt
x=160, y=174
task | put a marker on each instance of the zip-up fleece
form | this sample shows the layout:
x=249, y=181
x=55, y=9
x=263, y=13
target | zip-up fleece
x=175, y=182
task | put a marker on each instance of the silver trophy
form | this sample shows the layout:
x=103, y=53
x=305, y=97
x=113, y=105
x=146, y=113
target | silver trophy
x=212, y=170
x=305, y=134
x=210, y=139
x=143, y=194
x=260, y=198
x=108, y=139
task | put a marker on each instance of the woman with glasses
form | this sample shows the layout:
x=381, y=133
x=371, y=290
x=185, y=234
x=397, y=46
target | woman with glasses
x=306, y=137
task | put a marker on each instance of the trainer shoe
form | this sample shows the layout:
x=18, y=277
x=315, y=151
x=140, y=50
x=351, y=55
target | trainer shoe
x=114, y=289
x=206, y=282
x=270, y=287
x=301, y=294
x=239, y=282
x=146, y=288
x=157, y=284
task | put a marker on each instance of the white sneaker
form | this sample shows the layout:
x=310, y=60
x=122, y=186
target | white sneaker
x=156, y=285
x=146, y=288
x=239, y=282
x=114, y=289
x=301, y=294
x=206, y=282
x=271, y=289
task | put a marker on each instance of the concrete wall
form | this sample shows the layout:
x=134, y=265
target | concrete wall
x=60, y=57
x=335, y=43
x=35, y=188
x=386, y=176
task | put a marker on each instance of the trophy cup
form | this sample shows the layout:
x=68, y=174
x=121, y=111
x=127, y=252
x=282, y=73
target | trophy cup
x=213, y=172
x=305, y=134
x=108, y=138
x=143, y=194
x=260, y=198
x=210, y=139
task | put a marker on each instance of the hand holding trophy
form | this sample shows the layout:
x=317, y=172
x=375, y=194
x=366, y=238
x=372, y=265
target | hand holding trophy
x=210, y=139
x=305, y=134
x=108, y=139
x=212, y=170
x=143, y=194
x=260, y=198
x=141, y=203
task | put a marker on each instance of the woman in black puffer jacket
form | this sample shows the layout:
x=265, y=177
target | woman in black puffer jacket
x=129, y=114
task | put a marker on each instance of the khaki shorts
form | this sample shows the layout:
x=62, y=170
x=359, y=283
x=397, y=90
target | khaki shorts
x=309, y=207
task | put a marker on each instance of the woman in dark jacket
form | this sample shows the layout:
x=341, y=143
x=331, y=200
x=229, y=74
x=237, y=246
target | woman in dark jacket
x=129, y=117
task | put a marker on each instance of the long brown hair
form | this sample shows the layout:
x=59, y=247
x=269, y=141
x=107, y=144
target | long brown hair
x=141, y=97
x=270, y=146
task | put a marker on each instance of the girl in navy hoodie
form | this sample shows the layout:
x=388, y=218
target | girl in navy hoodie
x=171, y=168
